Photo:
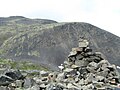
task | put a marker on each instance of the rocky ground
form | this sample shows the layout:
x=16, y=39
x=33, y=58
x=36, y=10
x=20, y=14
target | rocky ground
x=83, y=70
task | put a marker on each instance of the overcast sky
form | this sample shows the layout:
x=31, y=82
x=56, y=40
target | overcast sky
x=102, y=13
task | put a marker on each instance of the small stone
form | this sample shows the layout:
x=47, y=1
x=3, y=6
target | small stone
x=54, y=87
x=103, y=66
x=13, y=85
x=99, y=78
x=81, y=82
x=60, y=77
x=28, y=82
x=91, y=67
x=2, y=70
x=103, y=62
x=52, y=76
x=113, y=82
x=79, y=57
x=38, y=81
x=72, y=53
x=71, y=87
x=103, y=73
x=19, y=83
x=61, y=67
x=68, y=70
x=83, y=43
x=44, y=74
x=99, y=54
x=84, y=87
x=35, y=87
x=100, y=86
x=83, y=70
x=89, y=78
x=90, y=86
x=111, y=67
x=87, y=49
x=76, y=79
x=77, y=49
x=81, y=63
x=42, y=86
x=75, y=66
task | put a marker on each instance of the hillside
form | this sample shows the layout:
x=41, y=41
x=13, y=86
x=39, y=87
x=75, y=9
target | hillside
x=48, y=42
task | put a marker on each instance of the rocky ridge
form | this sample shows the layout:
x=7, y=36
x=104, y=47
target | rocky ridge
x=83, y=70
x=41, y=43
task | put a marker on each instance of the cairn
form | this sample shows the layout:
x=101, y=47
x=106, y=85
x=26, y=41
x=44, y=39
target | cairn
x=87, y=70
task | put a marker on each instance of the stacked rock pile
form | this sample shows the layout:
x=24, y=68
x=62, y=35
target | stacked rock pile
x=84, y=70
x=87, y=70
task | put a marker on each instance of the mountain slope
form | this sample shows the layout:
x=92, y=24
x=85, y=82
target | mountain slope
x=49, y=44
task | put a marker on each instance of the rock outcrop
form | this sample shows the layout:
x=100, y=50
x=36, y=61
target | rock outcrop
x=83, y=70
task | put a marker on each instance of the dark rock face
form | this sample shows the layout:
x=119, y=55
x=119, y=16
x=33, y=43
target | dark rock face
x=9, y=77
x=50, y=45
x=4, y=80
x=15, y=75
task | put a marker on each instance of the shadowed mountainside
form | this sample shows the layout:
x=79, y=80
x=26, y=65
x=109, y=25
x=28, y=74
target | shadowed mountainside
x=48, y=42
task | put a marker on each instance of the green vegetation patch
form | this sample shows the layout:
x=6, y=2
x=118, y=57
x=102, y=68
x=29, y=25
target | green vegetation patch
x=21, y=65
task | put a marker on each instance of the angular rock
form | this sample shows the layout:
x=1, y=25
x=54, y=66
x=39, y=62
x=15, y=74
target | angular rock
x=89, y=78
x=2, y=70
x=4, y=88
x=35, y=87
x=44, y=74
x=83, y=43
x=100, y=86
x=73, y=53
x=14, y=74
x=100, y=78
x=69, y=70
x=87, y=49
x=75, y=66
x=81, y=82
x=70, y=86
x=54, y=87
x=82, y=63
x=37, y=80
x=42, y=86
x=91, y=67
x=60, y=77
x=103, y=73
x=5, y=80
x=28, y=82
x=19, y=83
x=79, y=57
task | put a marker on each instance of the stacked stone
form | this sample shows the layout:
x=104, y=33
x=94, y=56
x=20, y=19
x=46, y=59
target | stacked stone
x=87, y=70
